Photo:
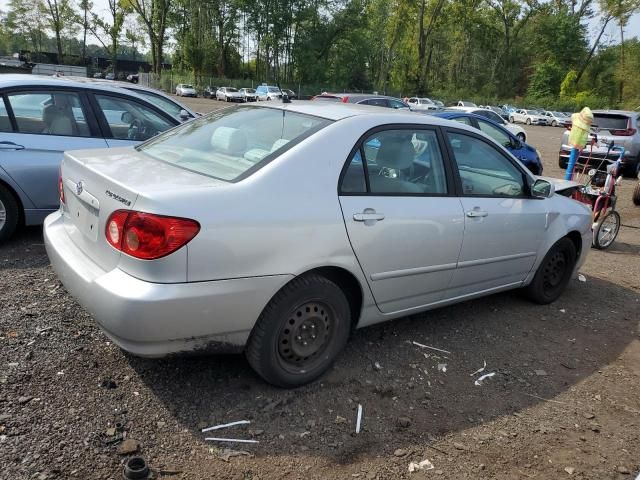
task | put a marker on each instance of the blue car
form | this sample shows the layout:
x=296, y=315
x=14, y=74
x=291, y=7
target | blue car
x=528, y=155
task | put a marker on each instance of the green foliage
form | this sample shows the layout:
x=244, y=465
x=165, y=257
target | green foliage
x=546, y=79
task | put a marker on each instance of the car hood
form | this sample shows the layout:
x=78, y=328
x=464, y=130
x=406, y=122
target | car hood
x=560, y=184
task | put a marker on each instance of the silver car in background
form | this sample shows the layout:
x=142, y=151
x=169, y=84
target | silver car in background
x=248, y=94
x=186, y=90
x=621, y=127
x=278, y=229
x=421, y=104
x=229, y=94
x=41, y=117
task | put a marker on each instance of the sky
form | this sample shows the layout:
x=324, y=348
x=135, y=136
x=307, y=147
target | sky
x=611, y=35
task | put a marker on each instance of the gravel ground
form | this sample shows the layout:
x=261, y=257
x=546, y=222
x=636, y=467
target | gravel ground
x=564, y=401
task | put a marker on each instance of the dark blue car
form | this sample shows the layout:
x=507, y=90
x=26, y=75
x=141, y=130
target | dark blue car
x=528, y=155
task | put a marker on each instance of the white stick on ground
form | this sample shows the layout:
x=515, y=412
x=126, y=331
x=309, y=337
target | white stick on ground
x=478, y=382
x=213, y=439
x=432, y=348
x=225, y=425
x=480, y=370
x=359, y=418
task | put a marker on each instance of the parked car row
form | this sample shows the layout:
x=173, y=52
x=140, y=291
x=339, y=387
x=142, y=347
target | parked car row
x=261, y=93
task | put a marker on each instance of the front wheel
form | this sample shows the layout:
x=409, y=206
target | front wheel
x=528, y=122
x=554, y=124
x=606, y=230
x=300, y=332
x=554, y=272
x=9, y=214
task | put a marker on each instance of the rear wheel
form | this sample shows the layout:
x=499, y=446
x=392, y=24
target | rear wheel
x=554, y=124
x=562, y=163
x=632, y=168
x=9, y=214
x=300, y=332
x=554, y=273
x=636, y=195
x=528, y=122
x=606, y=230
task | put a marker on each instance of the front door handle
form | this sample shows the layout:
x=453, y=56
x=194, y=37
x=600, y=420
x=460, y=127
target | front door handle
x=368, y=216
x=10, y=146
x=477, y=213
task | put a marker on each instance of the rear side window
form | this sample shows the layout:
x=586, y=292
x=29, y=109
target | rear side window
x=5, y=122
x=397, y=162
x=377, y=102
x=49, y=113
x=610, y=122
x=233, y=142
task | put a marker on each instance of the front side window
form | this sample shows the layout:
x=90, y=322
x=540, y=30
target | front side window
x=49, y=113
x=230, y=143
x=130, y=120
x=407, y=161
x=495, y=133
x=484, y=171
x=396, y=104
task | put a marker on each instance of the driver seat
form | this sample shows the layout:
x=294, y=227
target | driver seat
x=396, y=153
x=58, y=117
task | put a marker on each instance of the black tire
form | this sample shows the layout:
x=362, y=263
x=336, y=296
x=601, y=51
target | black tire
x=283, y=347
x=554, y=273
x=632, y=168
x=528, y=121
x=512, y=120
x=562, y=163
x=636, y=195
x=9, y=214
x=554, y=124
x=606, y=230
x=521, y=136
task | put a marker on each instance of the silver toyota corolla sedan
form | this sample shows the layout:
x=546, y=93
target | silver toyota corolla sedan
x=278, y=229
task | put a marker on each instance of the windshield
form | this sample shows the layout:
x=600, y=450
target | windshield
x=187, y=86
x=249, y=90
x=234, y=142
x=558, y=114
x=229, y=89
x=610, y=121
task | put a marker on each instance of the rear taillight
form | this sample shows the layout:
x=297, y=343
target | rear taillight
x=629, y=132
x=61, y=188
x=568, y=125
x=148, y=236
x=344, y=99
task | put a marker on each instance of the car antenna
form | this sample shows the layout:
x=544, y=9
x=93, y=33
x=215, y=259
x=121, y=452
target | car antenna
x=285, y=97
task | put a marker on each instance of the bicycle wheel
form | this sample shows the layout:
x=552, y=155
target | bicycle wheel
x=606, y=230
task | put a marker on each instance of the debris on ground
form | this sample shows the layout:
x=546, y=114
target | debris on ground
x=377, y=366
x=480, y=370
x=540, y=373
x=359, y=418
x=227, y=453
x=432, y=348
x=479, y=380
x=404, y=422
x=582, y=278
x=230, y=440
x=570, y=470
x=226, y=425
x=128, y=447
x=442, y=367
x=340, y=420
x=423, y=465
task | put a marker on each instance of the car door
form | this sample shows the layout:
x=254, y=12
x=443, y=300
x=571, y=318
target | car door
x=504, y=225
x=128, y=121
x=402, y=217
x=45, y=123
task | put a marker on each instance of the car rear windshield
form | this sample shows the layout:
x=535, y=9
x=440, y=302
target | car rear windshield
x=607, y=121
x=233, y=143
x=274, y=89
x=230, y=89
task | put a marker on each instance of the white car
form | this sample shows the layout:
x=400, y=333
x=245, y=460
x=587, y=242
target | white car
x=491, y=115
x=421, y=104
x=530, y=117
x=557, y=119
x=268, y=92
x=186, y=90
x=248, y=94
x=191, y=242
x=229, y=94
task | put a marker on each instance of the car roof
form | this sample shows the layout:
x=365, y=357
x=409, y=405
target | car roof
x=449, y=114
x=338, y=111
x=629, y=113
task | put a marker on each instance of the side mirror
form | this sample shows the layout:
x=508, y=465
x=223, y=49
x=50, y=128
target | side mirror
x=542, y=189
x=184, y=115
x=126, y=117
x=516, y=144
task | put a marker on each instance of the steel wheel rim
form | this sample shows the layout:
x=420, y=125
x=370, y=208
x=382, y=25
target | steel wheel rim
x=554, y=271
x=3, y=215
x=306, y=335
x=608, y=230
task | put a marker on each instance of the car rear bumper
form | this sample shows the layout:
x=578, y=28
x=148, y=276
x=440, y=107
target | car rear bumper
x=600, y=161
x=154, y=319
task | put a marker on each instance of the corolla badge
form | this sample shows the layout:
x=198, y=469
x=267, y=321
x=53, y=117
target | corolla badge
x=79, y=187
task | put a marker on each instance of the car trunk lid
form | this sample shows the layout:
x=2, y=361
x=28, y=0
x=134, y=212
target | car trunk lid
x=99, y=182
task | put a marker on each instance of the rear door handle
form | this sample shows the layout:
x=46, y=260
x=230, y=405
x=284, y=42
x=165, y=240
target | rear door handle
x=10, y=146
x=477, y=213
x=368, y=216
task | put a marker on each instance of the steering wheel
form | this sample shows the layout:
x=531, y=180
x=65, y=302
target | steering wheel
x=135, y=130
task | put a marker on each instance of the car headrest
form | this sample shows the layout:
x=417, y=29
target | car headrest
x=396, y=152
x=281, y=142
x=229, y=140
x=57, y=120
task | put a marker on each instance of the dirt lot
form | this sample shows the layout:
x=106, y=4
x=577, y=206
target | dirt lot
x=564, y=401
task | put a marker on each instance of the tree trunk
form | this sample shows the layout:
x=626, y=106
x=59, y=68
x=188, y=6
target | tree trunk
x=593, y=49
